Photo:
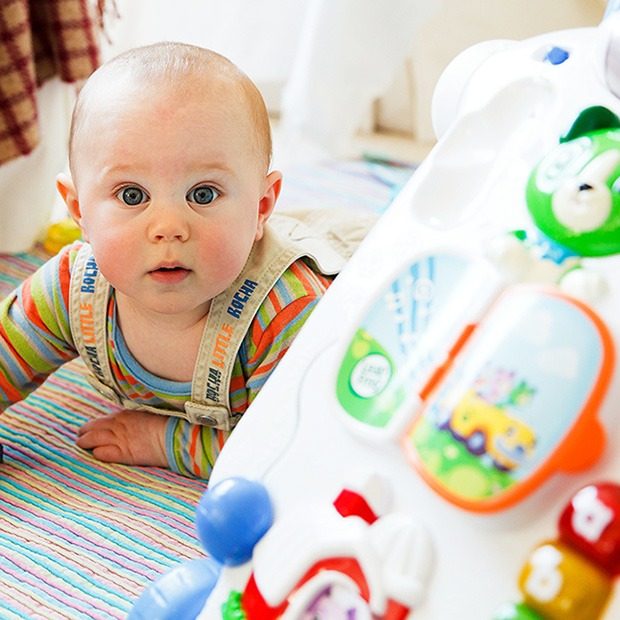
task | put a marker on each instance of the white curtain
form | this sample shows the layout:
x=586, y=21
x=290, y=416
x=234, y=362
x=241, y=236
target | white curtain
x=348, y=54
x=27, y=184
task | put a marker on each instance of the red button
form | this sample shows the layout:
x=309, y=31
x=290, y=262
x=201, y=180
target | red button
x=591, y=525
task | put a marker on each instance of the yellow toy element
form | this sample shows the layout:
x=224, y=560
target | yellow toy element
x=560, y=584
x=488, y=428
x=61, y=234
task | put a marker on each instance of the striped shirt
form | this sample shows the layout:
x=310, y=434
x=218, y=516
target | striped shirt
x=36, y=336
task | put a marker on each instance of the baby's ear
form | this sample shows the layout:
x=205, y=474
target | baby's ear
x=266, y=205
x=66, y=188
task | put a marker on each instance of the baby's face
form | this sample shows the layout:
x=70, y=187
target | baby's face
x=171, y=194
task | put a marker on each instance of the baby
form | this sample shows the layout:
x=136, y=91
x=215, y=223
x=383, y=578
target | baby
x=182, y=298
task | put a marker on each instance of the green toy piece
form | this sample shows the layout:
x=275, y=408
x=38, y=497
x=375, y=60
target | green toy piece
x=573, y=195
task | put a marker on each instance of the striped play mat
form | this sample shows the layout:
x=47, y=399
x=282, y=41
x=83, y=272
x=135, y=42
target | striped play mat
x=82, y=539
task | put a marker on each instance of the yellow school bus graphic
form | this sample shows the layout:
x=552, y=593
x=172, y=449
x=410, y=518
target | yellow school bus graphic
x=487, y=428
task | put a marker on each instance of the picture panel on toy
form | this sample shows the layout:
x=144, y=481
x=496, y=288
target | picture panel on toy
x=518, y=403
x=406, y=335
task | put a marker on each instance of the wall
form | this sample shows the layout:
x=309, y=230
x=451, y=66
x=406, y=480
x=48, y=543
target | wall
x=406, y=108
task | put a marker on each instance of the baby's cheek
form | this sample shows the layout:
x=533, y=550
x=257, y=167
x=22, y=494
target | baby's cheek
x=225, y=255
x=115, y=260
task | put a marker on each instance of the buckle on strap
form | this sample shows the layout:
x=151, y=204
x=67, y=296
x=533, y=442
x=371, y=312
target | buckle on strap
x=105, y=390
x=215, y=416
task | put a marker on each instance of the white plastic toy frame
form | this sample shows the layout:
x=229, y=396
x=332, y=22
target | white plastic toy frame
x=498, y=108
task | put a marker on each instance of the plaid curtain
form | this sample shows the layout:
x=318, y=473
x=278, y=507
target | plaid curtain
x=40, y=39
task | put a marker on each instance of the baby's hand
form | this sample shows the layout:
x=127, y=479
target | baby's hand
x=127, y=437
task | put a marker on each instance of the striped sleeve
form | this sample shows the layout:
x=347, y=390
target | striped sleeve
x=35, y=337
x=192, y=450
x=275, y=327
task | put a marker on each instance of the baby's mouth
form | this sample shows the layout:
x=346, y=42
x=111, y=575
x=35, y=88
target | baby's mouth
x=170, y=275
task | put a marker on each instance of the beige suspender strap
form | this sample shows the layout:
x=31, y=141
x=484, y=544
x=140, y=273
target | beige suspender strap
x=230, y=317
x=88, y=299
x=88, y=305
x=286, y=239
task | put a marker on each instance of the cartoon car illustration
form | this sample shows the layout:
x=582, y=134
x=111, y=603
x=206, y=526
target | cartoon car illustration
x=486, y=428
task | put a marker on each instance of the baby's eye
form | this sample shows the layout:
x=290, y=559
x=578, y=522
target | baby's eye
x=202, y=195
x=132, y=196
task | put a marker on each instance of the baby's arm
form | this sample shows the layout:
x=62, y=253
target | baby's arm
x=35, y=338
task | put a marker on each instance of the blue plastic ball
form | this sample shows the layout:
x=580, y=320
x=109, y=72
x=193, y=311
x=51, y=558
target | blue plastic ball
x=232, y=517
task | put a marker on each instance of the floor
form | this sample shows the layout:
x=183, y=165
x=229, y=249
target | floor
x=397, y=146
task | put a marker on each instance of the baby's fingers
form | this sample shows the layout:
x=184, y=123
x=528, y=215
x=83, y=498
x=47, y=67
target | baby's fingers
x=111, y=454
x=87, y=427
x=93, y=437
x=102, y=442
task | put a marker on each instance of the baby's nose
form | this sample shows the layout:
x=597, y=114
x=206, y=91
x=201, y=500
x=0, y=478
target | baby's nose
x=167, y=223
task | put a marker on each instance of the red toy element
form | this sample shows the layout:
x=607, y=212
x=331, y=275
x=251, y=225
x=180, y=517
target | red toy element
x=591, y=524
x=349, y=503
x=255, y=605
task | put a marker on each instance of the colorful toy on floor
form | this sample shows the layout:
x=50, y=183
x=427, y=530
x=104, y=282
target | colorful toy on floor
x=60, y=234
x=414, y=448
x=355, y=559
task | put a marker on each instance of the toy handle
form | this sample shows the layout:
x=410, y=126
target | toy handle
x=407, y=559
x=472, y=152
x=452, y=84
x=581, y=454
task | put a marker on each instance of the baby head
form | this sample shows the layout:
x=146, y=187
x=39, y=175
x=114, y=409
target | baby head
x=169, y=179
x=180, y=68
